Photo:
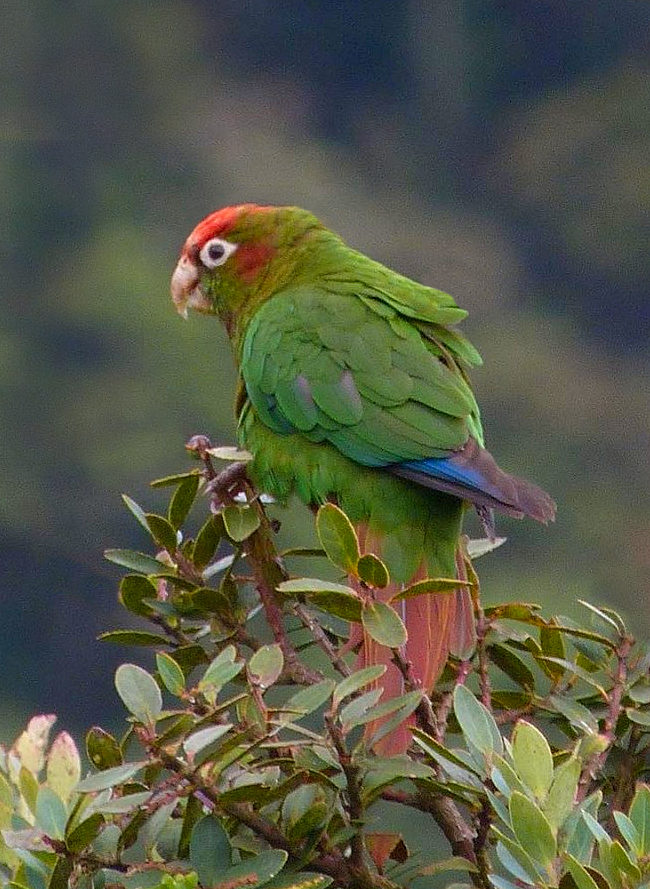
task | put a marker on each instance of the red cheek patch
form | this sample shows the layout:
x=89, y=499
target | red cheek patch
x=251, y=258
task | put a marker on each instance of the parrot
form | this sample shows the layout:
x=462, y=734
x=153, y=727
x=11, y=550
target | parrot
x=353, y=389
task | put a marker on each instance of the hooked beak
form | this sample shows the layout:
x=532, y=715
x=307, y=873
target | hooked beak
x=186, y=293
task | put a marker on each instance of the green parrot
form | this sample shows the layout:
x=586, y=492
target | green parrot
x=353, y=389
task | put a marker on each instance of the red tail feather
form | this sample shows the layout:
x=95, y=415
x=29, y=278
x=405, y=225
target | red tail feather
x=437, y=624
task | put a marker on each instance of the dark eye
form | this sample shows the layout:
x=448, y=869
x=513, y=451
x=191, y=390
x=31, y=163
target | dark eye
x=215, y=252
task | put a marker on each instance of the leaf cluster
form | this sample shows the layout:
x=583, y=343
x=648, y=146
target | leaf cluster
x=249, y=756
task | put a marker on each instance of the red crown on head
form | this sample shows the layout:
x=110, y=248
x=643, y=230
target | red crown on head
x=219, y=223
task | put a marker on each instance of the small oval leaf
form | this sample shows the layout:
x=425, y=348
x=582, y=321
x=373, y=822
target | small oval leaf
x=240, y=521
x=102, y=749
x=182, y=500
x=532, y=829
x=476, y=722
x=134, y=561
x=171, y=674
x=139, y=692
x=372, y=571
x=338, y=537
x=265, y=666
x=383, y=624
x=357, y=680
x=532, y=758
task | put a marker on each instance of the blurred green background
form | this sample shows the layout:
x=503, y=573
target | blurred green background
x=497, y=150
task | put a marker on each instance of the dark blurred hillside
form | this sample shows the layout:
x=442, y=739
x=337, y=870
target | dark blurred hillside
x=497, y=155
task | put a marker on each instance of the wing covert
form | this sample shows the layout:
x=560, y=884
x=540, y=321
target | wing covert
x=327, y=366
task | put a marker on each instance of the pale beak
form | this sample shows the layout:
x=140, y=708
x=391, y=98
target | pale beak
x=185, y=288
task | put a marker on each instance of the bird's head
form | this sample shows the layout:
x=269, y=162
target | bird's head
x=239, y=255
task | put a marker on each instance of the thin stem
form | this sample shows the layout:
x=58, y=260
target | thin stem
x=321, y=638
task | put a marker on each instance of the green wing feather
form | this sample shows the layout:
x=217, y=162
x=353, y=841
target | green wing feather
x=345, y=365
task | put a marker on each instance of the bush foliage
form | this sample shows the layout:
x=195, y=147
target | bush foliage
x=245, y=761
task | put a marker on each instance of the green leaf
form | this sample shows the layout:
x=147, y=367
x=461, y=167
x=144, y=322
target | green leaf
x=372, y=571
x=309, y=699
x=629, y=832
x=302, y=880
x=597, y=830
x=307, y=552
x=455, y=863
x=532, y=758
x=265, y=666
x=207, y=541
x=640, y=717
x=182, y=500
x=383, y=624
x=430, y=585
x=332, y=598
x=102, y=749
x=407, y=704
x=134, y=561
x=516, y=860
x=352, y=712
x=204, y=738
x=355, y=681
x=441, y=754
x=134, y=589
x=121, y=805
x=84, y=833
x=211, y=600
x=314, y=585
x=382, y=771
x=512, y=665
x=581, y=876
x=139, y=692
x=304, y=810
x=171, y=674
x=476, y=722
x=169, y=480
x=640, y=692
x=505, y=778
x=609, y=622
x=255, y=871
x=561, y=795
x=110, y=777
x=553, y=646
x=50, y=814
x=162, y=532
x=338, y=537
x=133, y=637
x=521, y=611
x=577, y=715
x=210, y=851
x=501, y=882
x=532, y=829
x=577, y=670
x=60, y=878
x=222, y=669
x=136, y=510
x=640, y=816
x=230, y=454
x=240, y=521
x=622, y=863
x=402, y=707
x=578, y=837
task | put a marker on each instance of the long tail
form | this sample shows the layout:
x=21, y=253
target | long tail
x=472, y=473
x=437, y=625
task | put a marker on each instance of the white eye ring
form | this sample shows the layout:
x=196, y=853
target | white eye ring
x=215, y=252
